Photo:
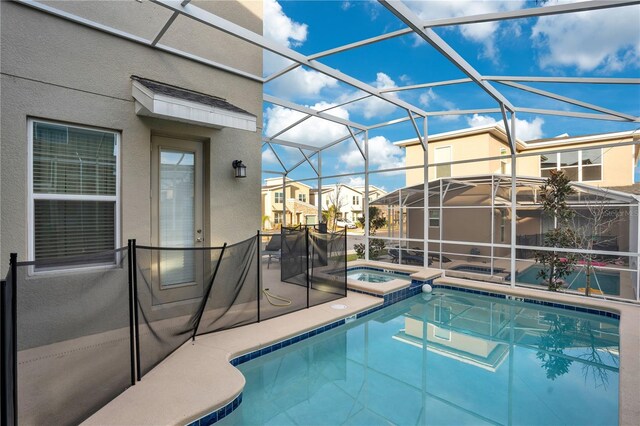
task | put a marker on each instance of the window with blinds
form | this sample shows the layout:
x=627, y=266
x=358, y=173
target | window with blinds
x=74, y=187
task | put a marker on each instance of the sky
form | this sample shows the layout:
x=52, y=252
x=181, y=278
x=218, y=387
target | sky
x=603, y=43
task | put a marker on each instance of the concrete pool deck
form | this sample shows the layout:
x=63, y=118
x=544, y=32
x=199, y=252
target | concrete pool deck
x=198, y=378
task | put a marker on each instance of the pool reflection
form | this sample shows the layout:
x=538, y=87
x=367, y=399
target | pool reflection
x=452, y=358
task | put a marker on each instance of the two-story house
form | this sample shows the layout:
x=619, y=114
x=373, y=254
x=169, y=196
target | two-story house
x=296, y=196
x=348, y=200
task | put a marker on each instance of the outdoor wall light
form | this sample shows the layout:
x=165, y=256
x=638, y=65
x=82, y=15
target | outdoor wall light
x=241, y=169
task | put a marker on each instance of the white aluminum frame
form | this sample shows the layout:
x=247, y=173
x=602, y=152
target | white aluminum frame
x=31, y=197
x=416, y=26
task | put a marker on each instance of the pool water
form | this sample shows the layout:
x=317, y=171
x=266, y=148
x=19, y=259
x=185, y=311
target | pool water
x=450, y=358
x=608, y=282
x=374, y=276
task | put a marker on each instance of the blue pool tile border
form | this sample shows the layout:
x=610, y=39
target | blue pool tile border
x=533, y=301
x=219, y=414
x=388, y=299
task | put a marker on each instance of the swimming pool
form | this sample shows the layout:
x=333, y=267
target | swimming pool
x=375, y=276
x=451, y=358
x=608, y=282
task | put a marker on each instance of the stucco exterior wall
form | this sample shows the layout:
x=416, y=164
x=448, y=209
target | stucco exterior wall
x=470, y=147
x=57, y=70
x=618, y=161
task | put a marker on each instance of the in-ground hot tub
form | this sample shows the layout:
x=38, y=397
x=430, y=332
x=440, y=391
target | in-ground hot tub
x=371, y=275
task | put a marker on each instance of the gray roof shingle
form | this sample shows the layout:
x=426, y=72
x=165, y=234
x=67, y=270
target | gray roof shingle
x=189, y=95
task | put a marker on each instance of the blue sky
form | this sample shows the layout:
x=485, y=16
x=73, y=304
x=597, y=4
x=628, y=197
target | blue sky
x=589, y=44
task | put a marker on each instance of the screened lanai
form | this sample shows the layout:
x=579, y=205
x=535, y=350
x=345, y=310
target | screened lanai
x=343, y=127
x=468, y=234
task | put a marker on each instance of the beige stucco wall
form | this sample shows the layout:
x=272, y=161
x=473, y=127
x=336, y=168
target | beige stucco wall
x=463, y=148
x=57, y=70
x=618, y=161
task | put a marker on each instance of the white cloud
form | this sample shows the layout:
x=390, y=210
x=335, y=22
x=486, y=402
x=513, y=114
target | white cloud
x=384, y=155
x=480, y=120
x=430, y=99
x=354, y=181
x=372, y=106
x=297, y=83
x=280, y=28
x=483, y=33
x=268, y=157
x=608, y=40
x=314, y=131
x=525, y=130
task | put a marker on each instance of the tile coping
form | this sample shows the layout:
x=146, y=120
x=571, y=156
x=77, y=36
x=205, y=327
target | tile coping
x=388, y=299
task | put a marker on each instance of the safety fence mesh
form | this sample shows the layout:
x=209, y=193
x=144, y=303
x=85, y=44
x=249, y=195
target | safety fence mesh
x=73, y=336
x=86, y=325
x=328, y=269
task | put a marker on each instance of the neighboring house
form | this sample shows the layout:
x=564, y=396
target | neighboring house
x=105, y=139
x=348, y=200
x=297, y=198
x=611, y=166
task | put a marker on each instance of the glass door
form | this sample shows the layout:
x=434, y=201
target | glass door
x=177, y=217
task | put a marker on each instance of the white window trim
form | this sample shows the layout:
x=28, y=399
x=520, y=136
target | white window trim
x=429, y=218
x=31, y=197
x=580, y=165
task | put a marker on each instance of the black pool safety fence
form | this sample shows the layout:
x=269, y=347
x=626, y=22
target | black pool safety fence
x=77, y=331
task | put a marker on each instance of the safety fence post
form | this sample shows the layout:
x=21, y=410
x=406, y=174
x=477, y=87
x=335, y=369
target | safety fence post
x=259, y=251
x=132, y=307
x=306, y=232
x=9, y=345
x=136, y=325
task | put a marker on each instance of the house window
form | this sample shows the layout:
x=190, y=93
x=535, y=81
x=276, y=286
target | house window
x=356, y=200
x=443, y=155
x=434, y=218
x=504, y=169
x=73, y=183
x=278, y=197
x=302, y=197
x=503, y=225
x=581, y=166
x=277, y=217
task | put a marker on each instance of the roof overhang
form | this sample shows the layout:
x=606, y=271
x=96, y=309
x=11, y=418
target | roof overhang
x=153, y=104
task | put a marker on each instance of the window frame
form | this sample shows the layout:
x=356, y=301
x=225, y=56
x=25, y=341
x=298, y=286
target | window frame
x=32, y=197
x=277, y=218
x=355, y=200
x=435, y=218
x=275, y=197
x=443, y=163
x=302, y=197
x=580, y=166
